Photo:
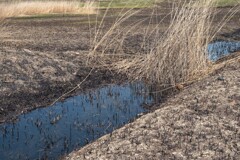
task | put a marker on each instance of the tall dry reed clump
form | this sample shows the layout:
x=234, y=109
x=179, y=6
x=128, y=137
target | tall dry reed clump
x=181, y=53
x=23, y=8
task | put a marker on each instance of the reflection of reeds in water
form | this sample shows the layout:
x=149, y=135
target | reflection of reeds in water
x=13, y=9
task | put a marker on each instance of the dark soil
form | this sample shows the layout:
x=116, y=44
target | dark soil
x=43, y=58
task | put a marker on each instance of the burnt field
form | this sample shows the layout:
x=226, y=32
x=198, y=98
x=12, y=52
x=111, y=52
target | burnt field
x=45, y=59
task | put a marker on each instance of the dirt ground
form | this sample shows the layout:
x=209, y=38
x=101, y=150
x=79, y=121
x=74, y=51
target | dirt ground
x=201, y=122
x=43, y=57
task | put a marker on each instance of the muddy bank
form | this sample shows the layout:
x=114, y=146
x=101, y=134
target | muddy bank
x=31, y=79
x=201, y=122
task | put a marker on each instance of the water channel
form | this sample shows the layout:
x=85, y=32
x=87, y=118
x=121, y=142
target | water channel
x=48, y=133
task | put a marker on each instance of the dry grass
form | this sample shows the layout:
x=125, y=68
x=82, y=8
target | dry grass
x=181, y=53
x=116, y=31
x=14, y=9
x=176, y=57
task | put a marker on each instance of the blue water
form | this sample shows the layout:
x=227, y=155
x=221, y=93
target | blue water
x=220, y=49
x=48, y=133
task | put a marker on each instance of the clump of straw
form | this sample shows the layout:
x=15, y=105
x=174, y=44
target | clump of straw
x=181, y=53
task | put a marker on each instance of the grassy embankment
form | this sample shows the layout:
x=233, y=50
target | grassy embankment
x=227, y=2
x=126, y=4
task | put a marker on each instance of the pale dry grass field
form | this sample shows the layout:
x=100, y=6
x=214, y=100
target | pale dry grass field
x=26, y=8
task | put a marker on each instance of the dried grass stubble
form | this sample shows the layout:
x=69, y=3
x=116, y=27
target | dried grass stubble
x=14, y=9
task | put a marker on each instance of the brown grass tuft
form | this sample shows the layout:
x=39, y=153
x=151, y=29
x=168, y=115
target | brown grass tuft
x=181, y=53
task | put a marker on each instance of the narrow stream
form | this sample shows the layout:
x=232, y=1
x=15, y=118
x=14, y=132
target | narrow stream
x=48, y=133
x=220, y=49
